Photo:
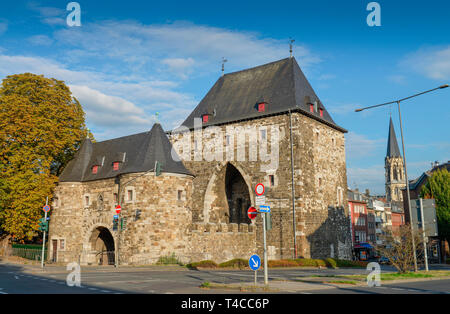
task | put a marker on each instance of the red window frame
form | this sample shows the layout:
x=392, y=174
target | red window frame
x=321, y=112
x=205, y=118
x=311, y=108
x=261, y=107
x=94, y=169
x=115, y=165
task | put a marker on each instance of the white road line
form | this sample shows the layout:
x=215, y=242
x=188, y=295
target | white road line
x=93, y=289
x=105, y=291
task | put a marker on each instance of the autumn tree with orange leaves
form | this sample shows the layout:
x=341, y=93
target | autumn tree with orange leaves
x=41, y=127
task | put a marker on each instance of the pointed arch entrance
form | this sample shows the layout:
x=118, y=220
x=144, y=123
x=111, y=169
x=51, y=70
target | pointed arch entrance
x=102, y=243
x=238, y=196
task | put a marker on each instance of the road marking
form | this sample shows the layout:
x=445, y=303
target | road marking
x=1, y=292
x=93, y=289
x=105, y=291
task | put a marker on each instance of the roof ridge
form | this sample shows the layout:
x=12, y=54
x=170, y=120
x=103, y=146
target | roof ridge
x=255, y=67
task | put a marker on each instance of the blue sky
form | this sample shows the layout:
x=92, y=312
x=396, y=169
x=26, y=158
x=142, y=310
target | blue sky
x=130, y=59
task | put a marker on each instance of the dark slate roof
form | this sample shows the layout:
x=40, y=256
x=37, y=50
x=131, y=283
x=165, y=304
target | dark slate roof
x=392, y=146
x=136, y=153
x=281, y=85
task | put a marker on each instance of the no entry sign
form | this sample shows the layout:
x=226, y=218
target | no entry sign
x=118, y=209
x=259, y=189
x=252, y=213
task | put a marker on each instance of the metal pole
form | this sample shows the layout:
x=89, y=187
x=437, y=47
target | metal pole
x=266, y=262
x=256, y=276
x=43, y=241
x=407, y=188
x=293, y=186
x=423, y=233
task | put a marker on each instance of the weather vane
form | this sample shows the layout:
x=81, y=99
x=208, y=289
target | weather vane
x=223, y=65
x=291, y=41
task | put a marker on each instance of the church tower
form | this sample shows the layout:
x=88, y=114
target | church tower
x=395, y=174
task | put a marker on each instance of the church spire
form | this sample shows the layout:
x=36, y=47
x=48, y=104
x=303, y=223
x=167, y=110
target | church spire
x=392, y=146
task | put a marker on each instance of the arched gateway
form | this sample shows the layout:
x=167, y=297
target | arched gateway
x=102, y=246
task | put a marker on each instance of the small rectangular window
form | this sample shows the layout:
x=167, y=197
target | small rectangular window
x=180, y=195
x=205, y=118
x=62, y=244
x=261, y=107
x=311, y=107
x=263, y=134
x=272, y=180
x=86, y=200
x=116, y=166
x=321, y=112
x=130, y=195
x=94, y=170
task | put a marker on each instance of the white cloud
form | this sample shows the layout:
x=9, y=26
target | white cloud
x=359, y=146
x=431, y=62
x=138, y=43
x=180, y=66
x=371, y=178
x=40, y=40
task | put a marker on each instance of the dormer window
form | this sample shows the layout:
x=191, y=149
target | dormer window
x=94, y=169
x=261, y=107
x=311, y=108
x=321, y=112
x=115, y=165
x=205, y=118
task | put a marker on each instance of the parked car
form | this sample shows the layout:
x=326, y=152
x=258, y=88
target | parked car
x=384, y=260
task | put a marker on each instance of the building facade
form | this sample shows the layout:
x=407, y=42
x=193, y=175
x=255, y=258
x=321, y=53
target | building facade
x=197, y=207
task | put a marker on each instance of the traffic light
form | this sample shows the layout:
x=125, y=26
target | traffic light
x=123, y=223
x=138, y=215
x=268, y=218
x=158, y=169
x=115, y=224
x=43, y=224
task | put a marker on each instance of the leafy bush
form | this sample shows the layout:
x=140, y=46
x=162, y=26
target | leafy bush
x=283, y=263
x=235, y=263
x=306, y=262
x=205, y=264
x=330, y=262
x=168, y=260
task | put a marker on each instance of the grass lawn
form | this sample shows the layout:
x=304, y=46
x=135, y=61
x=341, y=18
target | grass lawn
x=411, y=275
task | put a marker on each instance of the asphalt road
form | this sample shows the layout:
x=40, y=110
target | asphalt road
x=28, y=280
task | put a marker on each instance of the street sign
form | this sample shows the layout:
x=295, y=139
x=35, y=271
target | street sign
x=264, y=209
x=46, y=208
x=259, y=189
x=118, y=209
x=254, y=262
x=252, y=213
x=116, y=217
x=260, y=200
x=429, y=219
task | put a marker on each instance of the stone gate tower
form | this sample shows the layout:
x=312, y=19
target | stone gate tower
x=395, y=174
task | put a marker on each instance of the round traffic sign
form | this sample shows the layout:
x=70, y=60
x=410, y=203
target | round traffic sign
x=252, y=213
x=46, y=208
x=259, y=189
x=118, y=209
x=254, y=262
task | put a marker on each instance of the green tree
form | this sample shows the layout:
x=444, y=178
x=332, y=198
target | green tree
x=438, y=187
x=41, y=127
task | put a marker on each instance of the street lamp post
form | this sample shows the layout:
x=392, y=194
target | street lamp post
x=404, y=155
